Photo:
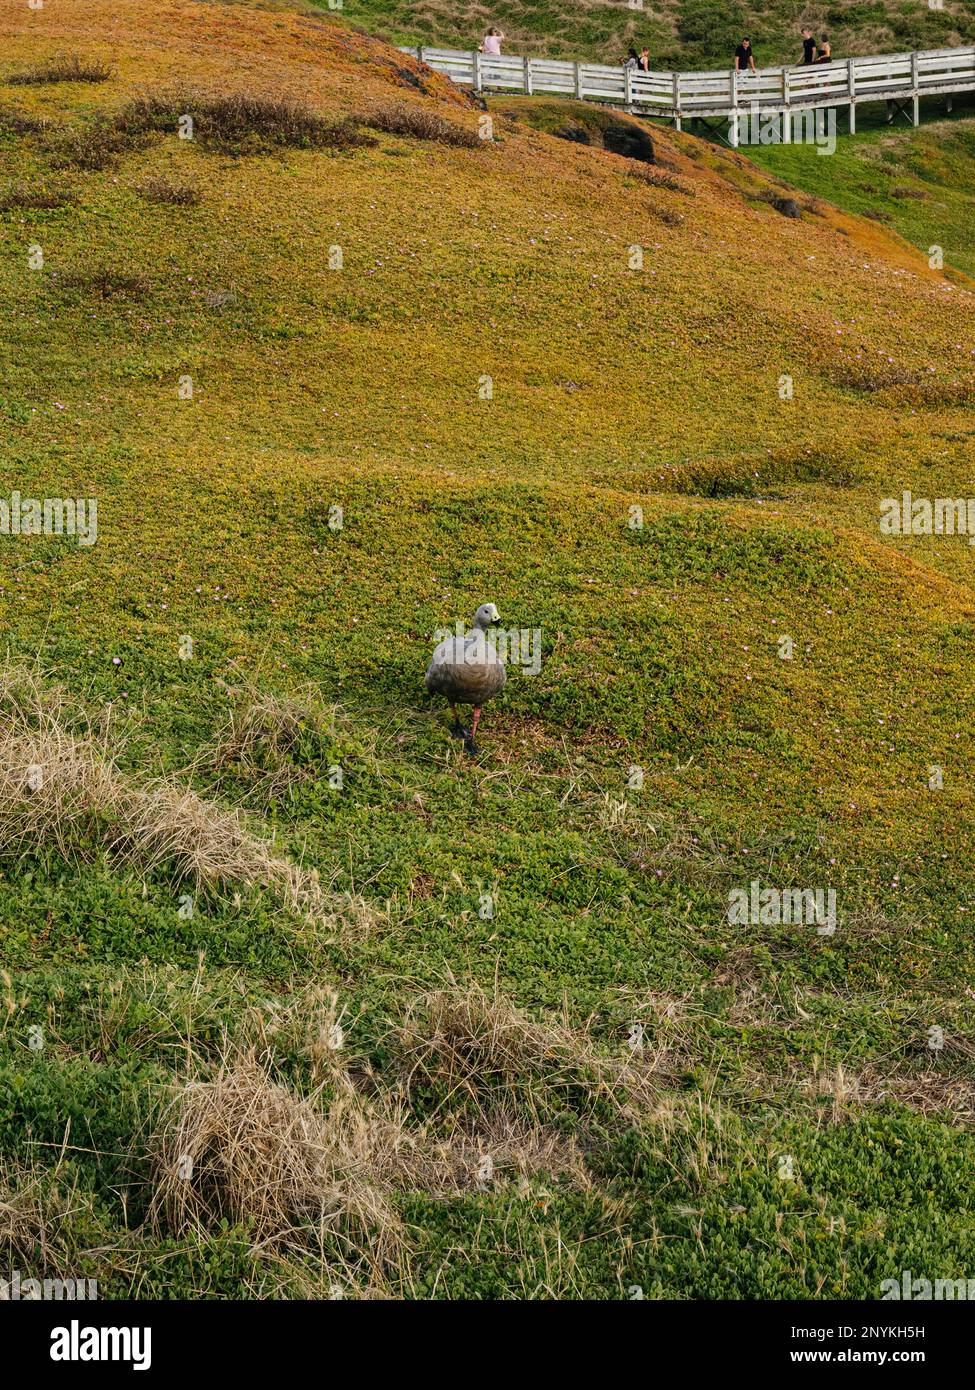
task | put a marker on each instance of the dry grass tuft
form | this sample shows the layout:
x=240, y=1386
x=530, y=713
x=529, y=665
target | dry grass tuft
x=62, y=69
x=266, y=722
x=460, y=1153
x=926, y=1090
x=239, y=122
x=39, y=1220
x=169, y=826
x=169, y=193
x=879, y=375
x=243, y=1148
x=98, y=145
x=92, y=147
x=687, y=852
x=261, y=742
x=418, y=123
x=60, y=787
x=25, y=1223
x=656, y=178
x=105, y=282
x=35, y=197
x=57, y=786
x=504, y=1146
x=475, y=1051
x=14, y=122
x=666, y=215
x=319, y=1174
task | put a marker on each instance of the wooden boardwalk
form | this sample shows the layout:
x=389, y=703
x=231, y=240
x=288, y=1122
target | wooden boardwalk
x=899, y=79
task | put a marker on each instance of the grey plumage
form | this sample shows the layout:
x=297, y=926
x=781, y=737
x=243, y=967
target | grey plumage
x=467, y=670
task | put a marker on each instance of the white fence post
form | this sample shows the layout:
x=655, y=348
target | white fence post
x=733, y=118
x=786, y=108
x=915, y=95
x=577, y=73
x=678, y=123
x=628, y=86
x=527, y=65
x=786, y=112
x=851, y=82
x=477, y=70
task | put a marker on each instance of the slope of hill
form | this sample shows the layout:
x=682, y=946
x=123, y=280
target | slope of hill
x=329, y=397
x=918, y=181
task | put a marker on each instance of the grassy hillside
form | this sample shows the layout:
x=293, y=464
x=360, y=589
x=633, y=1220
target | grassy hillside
x=297, y=998
x=917, y=181
x=679, y=33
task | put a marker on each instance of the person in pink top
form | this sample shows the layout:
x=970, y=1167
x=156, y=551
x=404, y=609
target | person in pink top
x=493, y=40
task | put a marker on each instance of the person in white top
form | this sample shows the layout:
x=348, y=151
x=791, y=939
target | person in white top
x=493, y=40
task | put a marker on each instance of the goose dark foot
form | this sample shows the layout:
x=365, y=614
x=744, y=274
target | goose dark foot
x=457, y=730
x=470, y=747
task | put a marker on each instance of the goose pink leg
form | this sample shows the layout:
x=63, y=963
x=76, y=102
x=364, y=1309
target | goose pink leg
x=469, y=744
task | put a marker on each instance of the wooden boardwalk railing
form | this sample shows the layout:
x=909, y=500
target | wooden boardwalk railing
x=900, y=78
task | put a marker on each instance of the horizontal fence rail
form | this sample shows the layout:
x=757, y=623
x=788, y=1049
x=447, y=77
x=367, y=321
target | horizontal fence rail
x=899, y=78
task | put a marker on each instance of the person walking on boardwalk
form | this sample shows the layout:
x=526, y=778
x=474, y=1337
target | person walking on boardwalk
x=493, y=40
x=643, y=62
x=744, y=57
x=825, y=54
x=808, y=48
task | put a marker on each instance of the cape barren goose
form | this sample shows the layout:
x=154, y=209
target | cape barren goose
x=468, y=671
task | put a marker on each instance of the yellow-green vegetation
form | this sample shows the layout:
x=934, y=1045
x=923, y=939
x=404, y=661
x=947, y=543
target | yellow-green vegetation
x=919, y=182
x=257, y=907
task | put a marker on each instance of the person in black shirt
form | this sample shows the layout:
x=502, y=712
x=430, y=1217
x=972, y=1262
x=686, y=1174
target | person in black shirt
x=808, y=47
x=825, y=51
x=744, y=57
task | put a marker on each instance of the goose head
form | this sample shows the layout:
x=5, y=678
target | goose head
x=486, y=616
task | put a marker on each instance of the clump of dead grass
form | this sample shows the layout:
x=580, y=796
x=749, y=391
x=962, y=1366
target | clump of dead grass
x=13, y=122
x=503, y=1146
x=57, y=784
x=419, y=123
x=322, y=1173
x=41, y=1214
x=92, y=147
x=308, y=1023
x=60, y=787
x=473, y=1050
x=239, y=122
x=657, y=178
x=452, y=1153
x=927, y=1090
x=38, y=196
x=867, y=376
x=668, y=216
x=295, y=1171
x=685, y=852
x=168, y=192
x=262, y=743
x=104, y=282
x=71, y=68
